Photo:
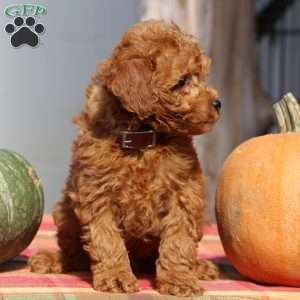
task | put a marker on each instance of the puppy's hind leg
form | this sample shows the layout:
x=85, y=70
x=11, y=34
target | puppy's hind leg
x=71, y=257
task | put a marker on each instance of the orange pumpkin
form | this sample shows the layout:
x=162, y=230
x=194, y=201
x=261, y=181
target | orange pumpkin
x=258, y=202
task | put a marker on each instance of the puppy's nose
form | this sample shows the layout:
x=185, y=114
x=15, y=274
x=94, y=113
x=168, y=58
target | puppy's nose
x=217, y=104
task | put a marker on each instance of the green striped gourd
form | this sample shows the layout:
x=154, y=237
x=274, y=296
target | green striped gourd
x=21, y=204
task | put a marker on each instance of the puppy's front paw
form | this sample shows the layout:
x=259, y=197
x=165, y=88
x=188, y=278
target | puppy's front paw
x=116, y=282
x=46, y=262
x=207, y=270
x=178, y=283
x=182, y=290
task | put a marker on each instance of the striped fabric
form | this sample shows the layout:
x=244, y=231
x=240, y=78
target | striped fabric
x=16, y=282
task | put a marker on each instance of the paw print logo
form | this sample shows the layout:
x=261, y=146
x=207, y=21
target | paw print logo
x=24, y=32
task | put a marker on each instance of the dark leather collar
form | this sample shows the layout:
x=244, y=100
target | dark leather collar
x=138, y=139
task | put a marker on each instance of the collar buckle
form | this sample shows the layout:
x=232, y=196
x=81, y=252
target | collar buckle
x=138, y=139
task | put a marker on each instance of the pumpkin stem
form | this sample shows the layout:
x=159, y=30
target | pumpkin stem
x=287, y=112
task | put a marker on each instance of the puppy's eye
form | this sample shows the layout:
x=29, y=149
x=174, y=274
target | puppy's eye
x=183, y=82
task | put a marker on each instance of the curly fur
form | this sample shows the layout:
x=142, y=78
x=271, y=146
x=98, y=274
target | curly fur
x=122, y=208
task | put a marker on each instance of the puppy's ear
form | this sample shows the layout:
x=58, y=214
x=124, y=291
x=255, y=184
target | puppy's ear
x=131, y=82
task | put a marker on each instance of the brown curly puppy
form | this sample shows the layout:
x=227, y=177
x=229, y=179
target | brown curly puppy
x=135, y=190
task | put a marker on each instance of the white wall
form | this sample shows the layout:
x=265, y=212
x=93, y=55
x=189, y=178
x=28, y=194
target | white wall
x=41, y=89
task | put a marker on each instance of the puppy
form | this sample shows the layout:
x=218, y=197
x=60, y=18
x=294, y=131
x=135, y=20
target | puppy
x=135, y=191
